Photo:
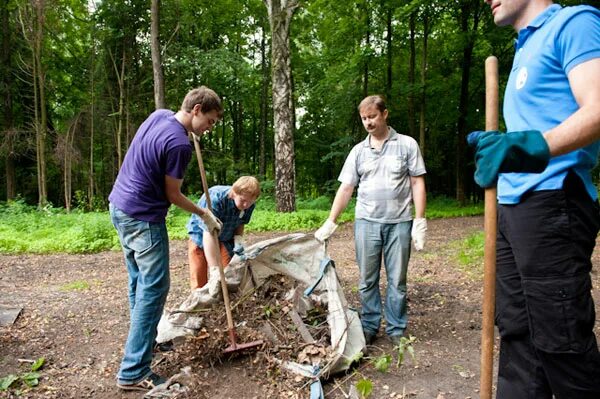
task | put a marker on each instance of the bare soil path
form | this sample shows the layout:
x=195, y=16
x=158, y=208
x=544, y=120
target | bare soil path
x=75, y=314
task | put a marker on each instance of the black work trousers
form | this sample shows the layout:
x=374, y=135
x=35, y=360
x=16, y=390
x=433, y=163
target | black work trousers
x=544, y=308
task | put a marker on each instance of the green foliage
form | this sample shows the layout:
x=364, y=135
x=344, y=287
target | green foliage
x=28, y=379
x=470, y=254
x=79, y=285
x=357, y=357
x=6, y=382
x=364, y=387
x=269, y=311
x=26, y=229
x=38, y=364
x=443, y=207
x=55, y=231
x=383, y=362
x=405, y=345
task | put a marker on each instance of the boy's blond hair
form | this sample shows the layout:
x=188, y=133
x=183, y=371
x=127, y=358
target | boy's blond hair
x=247, y=185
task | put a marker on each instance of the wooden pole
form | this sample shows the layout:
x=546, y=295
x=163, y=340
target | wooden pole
x=490, y=228
x=215, y=238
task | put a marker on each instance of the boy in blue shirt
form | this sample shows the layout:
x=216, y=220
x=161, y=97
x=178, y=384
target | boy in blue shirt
x=233, y=206
x=548, y=214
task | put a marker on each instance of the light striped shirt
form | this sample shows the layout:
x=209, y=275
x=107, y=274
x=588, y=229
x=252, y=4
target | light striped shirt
x=383, y=177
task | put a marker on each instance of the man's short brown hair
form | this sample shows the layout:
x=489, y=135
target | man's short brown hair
x=207, y=98
x=377, y=100
x=247, y=185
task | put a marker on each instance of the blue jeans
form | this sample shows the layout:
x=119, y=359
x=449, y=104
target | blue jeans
x=392, y=242
x=146, y=249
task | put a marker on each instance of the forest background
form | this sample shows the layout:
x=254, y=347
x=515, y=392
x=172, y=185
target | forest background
x=77, y=77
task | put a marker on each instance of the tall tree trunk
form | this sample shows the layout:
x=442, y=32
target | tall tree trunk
x=468, y=9
x=68, y=163
x=121, y=82
x=262, y=164
x=367, y=59
x=237, y=119
x=280, y=16
x=39, y=81
x=9, y=159
x=159, y=80
x=412, y=129
x=388, y=38
x=423, y=83
x=91, y=191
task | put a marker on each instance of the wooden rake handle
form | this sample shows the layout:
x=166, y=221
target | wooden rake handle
x=196, y=140
x=490, y=228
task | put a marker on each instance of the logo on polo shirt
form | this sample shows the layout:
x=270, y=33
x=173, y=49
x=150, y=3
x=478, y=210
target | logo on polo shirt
x=521, y=78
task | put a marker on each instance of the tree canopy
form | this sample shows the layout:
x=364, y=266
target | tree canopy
x=76, y=79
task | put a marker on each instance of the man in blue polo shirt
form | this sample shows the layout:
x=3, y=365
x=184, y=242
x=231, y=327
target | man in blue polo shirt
x=148, y=183
x=233, y=205
x=548, y=214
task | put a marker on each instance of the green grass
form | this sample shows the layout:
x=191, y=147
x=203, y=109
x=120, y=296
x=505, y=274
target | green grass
x=80, y=285
x=24, y=229
x=443, y=207
x=470, y=254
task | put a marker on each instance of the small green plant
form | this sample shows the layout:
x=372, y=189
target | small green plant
x=405, y=345
x=28, y=379
x=364, y=387
x=382, y=363
x=79, y=285
x=268, y=311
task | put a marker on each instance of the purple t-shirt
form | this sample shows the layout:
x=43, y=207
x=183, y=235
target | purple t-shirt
x=160, y=148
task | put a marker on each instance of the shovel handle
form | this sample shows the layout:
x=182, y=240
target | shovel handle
x=490, y=229
x=214, y=236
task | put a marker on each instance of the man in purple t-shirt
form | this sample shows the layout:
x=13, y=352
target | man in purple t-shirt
x=148, y=183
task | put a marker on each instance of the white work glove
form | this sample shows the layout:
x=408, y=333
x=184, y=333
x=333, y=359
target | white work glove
x=211, y=222
x=214, y=281
x=325, y=231
x=419, y=228
x=238, y=245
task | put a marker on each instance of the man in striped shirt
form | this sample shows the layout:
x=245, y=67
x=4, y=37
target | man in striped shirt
x=389, y=171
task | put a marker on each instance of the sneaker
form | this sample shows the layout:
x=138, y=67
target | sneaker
x=144, y=385
x=370, y=337
x=395, y=339
x=163, y=346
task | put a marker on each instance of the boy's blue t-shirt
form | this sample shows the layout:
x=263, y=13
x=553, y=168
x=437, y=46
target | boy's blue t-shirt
x=160, y=148
x=224, y=208
x=538, y=95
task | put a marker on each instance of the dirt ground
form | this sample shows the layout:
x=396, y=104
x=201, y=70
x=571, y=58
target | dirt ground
x=75, y=315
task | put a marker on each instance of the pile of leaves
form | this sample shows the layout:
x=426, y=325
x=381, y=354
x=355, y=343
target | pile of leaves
x=267, y=314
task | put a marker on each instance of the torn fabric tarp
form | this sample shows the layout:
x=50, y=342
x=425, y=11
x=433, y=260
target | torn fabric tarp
x=300, y=257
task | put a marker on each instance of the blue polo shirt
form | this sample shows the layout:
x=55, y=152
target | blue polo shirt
x=224, y=208
x=538, y=95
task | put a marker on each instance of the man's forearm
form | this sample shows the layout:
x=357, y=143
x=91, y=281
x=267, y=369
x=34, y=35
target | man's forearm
x=340, y=202
x=419, y=195
x=579, y=130
x=181, y=201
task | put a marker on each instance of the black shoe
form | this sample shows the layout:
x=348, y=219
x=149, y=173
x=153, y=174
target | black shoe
x=144, y=385
x=370, y=337
x=163, y=346
x=395, y=339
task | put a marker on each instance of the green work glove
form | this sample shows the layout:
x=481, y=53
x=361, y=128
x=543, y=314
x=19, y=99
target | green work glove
x=497, y=152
